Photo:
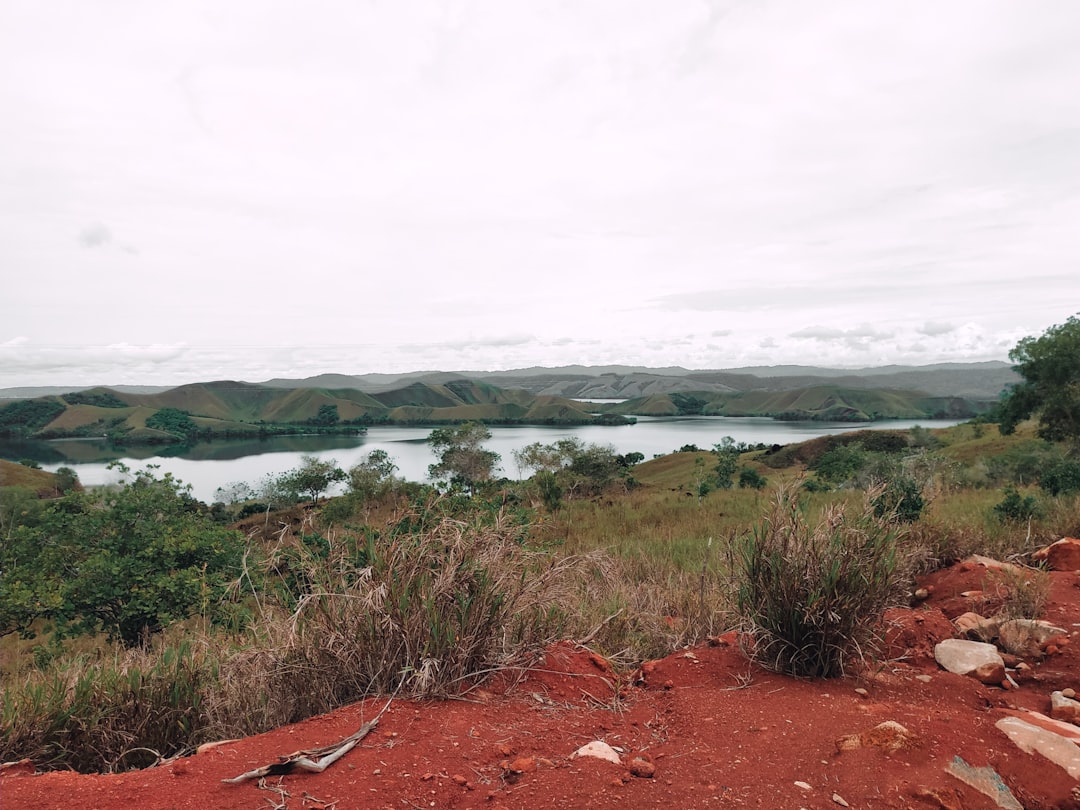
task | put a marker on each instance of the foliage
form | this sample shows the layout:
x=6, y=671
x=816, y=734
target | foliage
x=29, y=462
x=901, y=498
x=173, y=421
x=99, y=399
x=313, y=477
x=127, y=562
x=25, y=416
x=551, y=493
x=326, y=417
x=1050, y=366
x=749, y=478
x=841, y=463
x=373, y=475
x=813, y=594
x=577, y=468
x=1016, y=508
x=727, y=461
x=461, y=455
x=1027, y=591
x=1061, y=477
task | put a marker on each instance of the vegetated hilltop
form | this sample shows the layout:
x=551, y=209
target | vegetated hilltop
x=234, y=409
x=828, y=403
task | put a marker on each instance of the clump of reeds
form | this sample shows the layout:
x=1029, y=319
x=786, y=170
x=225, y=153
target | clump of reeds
x=812, y=593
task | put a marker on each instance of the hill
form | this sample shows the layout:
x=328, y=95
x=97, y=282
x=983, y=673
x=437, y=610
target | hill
x=238, y=409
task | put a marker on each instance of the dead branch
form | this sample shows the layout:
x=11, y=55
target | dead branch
x=315, y=760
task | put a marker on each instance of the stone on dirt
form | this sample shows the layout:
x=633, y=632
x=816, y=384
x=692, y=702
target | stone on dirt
x=641, y=767
x=1027, y=637
x=986, y=781
x=976, y=627
x=1064, y=708
x=1030, y=738
x=974, y=658
x=599, y=750
x=1064, y=555
x=889, y=736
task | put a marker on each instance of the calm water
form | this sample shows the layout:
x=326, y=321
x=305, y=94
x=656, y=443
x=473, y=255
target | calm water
x=209, y=465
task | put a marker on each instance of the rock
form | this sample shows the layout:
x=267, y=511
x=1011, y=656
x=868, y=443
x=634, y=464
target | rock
x=210, y=746
x=986, y=781
x=974, y=658
x=921, y=594
x=641, y=767
x=838, y=799
x=599, y=750
x=1064, y=708
x=803, y=786
x=1028, y=637
x=522, y=765
x=1064, y=555
x=889, y=736
x=1069, y=693
x=849, y=742
x=976, y=627
x=458, y=779
x=1031, y=738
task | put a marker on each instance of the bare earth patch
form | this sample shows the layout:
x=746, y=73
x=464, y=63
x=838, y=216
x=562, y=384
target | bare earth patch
x=716, y=730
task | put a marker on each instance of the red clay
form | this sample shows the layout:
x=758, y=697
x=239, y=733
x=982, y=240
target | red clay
x=718, y=732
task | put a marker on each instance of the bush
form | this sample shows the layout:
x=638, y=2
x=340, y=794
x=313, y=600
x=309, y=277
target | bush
x=901, y=498
x=813, y=594
x=1061, y=477
x=1016, y=508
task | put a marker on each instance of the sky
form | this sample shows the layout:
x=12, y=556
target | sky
x=194, y=190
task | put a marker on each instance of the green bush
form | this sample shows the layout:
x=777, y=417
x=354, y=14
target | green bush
x=812, y=595
x=901, y=498
x=1061, y=477
x=1016, y=508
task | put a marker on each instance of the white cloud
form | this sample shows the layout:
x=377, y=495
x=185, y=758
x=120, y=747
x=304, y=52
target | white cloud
x=383, y=186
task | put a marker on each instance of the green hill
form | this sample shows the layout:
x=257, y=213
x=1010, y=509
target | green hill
x=829, y=403
x=235, y=409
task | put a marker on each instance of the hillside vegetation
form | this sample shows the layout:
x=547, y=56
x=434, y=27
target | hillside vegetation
x=234, y=409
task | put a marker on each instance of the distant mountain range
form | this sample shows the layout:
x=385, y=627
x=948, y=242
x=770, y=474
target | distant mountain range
x=335, y=403
x=977, y=381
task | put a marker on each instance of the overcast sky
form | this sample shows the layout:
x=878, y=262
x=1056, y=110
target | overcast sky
x=248, y=189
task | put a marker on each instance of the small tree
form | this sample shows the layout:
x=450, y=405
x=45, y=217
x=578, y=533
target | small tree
x=749, y=478
x=1050, y=366
x=461, y=456
x=727, y=462
x=313, y=477
x=373, y=475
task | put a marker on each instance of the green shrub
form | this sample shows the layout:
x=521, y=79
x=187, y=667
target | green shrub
x=901, y=498
x=1061, y=477
x=813, y=594
x=1016, y=508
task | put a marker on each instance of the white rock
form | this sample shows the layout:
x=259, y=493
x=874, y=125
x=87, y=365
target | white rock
x=1064, y=708
x=599, y=750
x=973, y=658
x=1054, y=747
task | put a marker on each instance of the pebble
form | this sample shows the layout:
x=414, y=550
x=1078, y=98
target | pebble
x=861, y=691
x=642, y=768
x=836, y=797
x=1069, y=693
x=803, y=785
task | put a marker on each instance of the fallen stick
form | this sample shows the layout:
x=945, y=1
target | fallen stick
x=315, y=760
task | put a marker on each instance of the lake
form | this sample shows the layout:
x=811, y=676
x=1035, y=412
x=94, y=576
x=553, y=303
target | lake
x=209, y=465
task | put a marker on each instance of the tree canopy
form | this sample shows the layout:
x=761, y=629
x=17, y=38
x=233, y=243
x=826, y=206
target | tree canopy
x=461, y=455
x=1050, y=366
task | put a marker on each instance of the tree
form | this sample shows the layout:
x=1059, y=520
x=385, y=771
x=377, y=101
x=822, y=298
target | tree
x=461, y=455
x=1050, y=366
x=313, y=477
x=373, y=475
x=727, y=461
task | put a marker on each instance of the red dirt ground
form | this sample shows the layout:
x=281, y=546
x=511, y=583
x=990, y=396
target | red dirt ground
x=719, y=731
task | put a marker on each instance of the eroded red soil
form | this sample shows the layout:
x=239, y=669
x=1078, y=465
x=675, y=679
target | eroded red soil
x=719, y=731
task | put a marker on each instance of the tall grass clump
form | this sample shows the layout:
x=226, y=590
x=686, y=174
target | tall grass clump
x=813, y=593
x=122, y=710
x=425, y=608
